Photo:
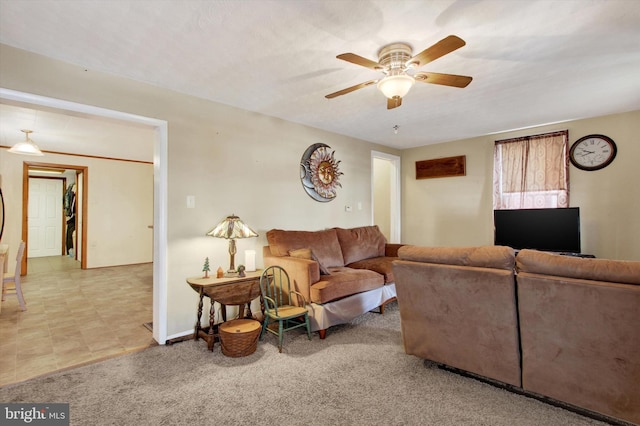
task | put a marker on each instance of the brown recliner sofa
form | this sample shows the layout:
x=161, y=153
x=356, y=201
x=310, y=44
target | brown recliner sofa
x=457, y=307
x=580, y=331
x=341, y=272
x=563, y=328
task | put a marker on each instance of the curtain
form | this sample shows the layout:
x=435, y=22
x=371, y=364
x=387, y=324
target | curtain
x=531, y=172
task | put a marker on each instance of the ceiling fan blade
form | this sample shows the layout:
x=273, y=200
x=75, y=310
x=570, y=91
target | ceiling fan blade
x=443, y=79
x=351, y=89
x=441, y=48
x=359, y=60
x=394, y=102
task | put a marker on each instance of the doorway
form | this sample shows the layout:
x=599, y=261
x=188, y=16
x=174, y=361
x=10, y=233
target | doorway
x=385, y=194
x=80, y=238
x=160, y=190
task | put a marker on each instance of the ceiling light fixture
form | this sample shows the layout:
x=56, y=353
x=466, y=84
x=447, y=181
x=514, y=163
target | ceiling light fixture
x=396, y=85
x=26, y=147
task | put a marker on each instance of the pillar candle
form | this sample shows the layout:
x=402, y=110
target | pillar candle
x=250, y=260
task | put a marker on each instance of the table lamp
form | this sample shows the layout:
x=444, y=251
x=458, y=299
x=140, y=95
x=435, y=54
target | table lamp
x=231, y=228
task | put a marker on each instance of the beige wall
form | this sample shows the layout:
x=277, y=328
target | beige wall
x=120, y=206
x=230, y=160
x=457, y=211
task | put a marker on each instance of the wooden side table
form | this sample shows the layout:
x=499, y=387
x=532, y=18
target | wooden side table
x=226, y=291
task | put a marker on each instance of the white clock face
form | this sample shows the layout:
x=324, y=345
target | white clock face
x=592, y=153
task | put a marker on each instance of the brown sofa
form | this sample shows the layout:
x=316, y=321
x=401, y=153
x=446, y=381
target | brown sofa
x=457, y=307
x=571, y=335
x=342, y=273
x=580, y=331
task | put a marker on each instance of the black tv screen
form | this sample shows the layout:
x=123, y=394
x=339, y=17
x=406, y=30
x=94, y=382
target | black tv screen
x=555, y=230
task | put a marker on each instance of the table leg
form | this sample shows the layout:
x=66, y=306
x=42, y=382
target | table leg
x=212, y=318
x=197, y=328
x=223, y=309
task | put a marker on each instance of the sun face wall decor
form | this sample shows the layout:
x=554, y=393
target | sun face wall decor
x=319, y=172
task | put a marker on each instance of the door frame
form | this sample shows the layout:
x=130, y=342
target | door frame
x=395, y=188
x=26, y=165
x=160, y=191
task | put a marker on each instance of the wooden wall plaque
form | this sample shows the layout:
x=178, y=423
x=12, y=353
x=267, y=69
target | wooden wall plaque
x=441, y=167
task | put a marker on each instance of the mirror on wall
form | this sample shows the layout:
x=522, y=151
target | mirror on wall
x=1, y=214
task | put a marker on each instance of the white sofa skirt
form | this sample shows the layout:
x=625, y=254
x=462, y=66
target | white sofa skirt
x=344, y=310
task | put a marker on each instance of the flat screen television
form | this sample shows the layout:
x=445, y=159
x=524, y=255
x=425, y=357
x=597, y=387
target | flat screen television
x=556, y=230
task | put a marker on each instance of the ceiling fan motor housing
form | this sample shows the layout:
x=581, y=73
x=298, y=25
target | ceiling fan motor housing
x=394, y=58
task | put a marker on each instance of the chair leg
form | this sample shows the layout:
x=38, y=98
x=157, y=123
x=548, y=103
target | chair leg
x=23, y=305
x=265, y=324
x=280, y=336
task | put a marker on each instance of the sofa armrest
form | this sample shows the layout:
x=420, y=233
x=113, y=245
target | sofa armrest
x=391, y=249
x=302, y=272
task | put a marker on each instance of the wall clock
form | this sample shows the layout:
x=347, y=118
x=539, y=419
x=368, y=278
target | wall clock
x=319, y=172
x=593, y=152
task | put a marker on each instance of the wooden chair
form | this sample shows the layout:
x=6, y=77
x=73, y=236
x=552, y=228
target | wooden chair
x=15, y=279
x=278, y=304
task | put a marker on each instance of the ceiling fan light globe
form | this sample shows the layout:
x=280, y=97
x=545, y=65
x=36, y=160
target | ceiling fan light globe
x=396, y=85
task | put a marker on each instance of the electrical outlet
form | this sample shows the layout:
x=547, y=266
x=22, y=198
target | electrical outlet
x=347, y=208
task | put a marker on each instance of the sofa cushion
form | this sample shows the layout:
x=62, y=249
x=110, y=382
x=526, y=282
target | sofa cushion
x=360, y=243
x=382, y=265
x=307, y=253
x=344, y=282
x=497, y=257
x=616, y=271
x=324, y=244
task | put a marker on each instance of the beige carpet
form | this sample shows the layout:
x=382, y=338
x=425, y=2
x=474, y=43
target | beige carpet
x=359, y=375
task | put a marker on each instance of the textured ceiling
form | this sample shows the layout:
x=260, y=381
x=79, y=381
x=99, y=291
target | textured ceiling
x=533, y=62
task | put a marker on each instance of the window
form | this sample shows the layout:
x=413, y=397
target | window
x=531, y=172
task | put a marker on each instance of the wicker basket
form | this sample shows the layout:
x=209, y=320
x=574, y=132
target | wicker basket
x=239, y=337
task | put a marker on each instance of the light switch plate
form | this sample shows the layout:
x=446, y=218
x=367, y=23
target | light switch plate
x=191, y=201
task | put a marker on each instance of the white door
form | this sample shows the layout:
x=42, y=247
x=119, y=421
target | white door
x=45, y=217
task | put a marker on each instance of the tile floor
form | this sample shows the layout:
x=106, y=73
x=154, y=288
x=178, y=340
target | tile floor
x=73, y=317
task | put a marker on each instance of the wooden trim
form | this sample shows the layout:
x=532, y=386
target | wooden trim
x=90, y=156
x=441, y=167
x=85, y=215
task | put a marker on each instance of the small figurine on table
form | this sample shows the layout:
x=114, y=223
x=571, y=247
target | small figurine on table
x=206, y=268
x=220, y=273
x=241, y=269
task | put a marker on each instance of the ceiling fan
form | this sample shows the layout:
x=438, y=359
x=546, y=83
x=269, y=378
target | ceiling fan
x=395, y=60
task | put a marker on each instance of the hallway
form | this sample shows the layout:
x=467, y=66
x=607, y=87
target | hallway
x=73, y=317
